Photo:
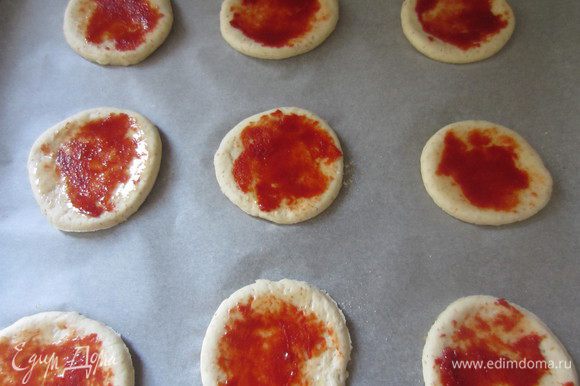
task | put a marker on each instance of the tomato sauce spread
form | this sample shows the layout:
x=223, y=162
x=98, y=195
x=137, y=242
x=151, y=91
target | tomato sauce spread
x=486, y=172
x=96, y=161
x=281, y=159
x=464, y=23
x=126, y=22
x=495, y=334
x=71, y=362
x=268, y=341
x=275, y=23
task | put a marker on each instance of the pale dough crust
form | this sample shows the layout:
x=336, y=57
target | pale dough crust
x=52, y=327
x=231, y=147
x=50, y=189
x=449, y=196
x=551, y=347
x=76, y=18
x=444, y=52
x=326, y=19
x=329, y=369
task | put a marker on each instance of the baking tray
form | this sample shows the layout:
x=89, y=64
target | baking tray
x=388, y=255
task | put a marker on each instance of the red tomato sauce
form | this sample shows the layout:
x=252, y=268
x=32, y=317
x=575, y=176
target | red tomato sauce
x=269, y=345
x=483, y=339
x=275, y=23
x=464, y=23
x=126, y=22
x=96, y=161
x=486, y=173
x=281, y=159
x=34, y=363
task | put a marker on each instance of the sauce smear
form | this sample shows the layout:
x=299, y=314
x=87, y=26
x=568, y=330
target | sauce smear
x=464, y=23
x=482, y=339
x=275, y=23
x=281, y=159
x=124, y=21
x=51, y=362
x=486, y=173
x=96, y=161
x=268, y=342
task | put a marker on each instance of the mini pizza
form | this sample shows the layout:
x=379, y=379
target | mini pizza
x=63, y=348
x=276, y=333
x=457, y=31
x=485, y=341
x=117, y=32
x=484, y=173
x=284, y=165
x=94, y=169
x=277, y=29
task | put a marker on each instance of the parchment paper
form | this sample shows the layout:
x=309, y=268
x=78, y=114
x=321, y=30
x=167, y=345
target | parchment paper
x=384, y=251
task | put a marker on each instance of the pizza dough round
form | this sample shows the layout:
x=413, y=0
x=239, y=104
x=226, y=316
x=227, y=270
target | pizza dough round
x=302, y=209
x=324, y=23
x=438, y=49
x=130, y=48
x=448, y=194
x=50, y=187
x=328, y=368
x=470, y=314
x=92, y=342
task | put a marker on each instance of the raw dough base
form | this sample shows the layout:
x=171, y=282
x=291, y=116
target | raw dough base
x=327, y=17
x=458, y=310
x=449, y=197
x=327, y=370
x=50, y=190
x=444, y=52
x=75, y=23
x=55, y=326
x=304, y=209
